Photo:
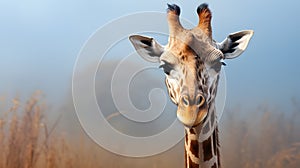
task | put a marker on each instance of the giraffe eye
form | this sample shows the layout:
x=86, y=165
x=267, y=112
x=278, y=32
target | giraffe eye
x=167, y=70
x=167, y=67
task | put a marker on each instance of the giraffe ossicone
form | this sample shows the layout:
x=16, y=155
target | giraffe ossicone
x=192, y=63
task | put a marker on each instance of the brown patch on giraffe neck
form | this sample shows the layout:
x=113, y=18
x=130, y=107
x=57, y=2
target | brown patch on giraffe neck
x=207, y=149
x=194, y=148
x=192, y=164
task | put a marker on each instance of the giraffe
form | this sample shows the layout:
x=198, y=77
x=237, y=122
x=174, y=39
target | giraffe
x=192, y=62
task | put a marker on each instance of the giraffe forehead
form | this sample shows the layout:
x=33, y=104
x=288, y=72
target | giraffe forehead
x=180, y=55
x=190, y=42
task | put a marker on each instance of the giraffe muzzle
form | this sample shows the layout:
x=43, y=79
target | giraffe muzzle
x=192, y=111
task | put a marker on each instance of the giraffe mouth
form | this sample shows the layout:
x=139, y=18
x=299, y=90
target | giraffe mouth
x=192, y=118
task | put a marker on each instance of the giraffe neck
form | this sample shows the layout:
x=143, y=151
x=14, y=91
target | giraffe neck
x=202, y=144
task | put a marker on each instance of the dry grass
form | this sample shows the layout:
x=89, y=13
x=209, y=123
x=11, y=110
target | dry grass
x=26, y=141
x=20, y=135
x=261, y=139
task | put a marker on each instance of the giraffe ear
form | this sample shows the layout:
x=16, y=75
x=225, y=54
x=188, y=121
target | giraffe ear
x=235, y=44
x=147, y=47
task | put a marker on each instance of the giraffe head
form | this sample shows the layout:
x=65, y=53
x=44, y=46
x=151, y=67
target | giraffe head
x=192, y=62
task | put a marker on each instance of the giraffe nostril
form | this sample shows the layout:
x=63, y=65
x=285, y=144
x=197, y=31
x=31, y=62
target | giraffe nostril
x=185, y=100
x=199, y=100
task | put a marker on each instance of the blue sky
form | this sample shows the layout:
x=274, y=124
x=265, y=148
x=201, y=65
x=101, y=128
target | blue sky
x=40, y=41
